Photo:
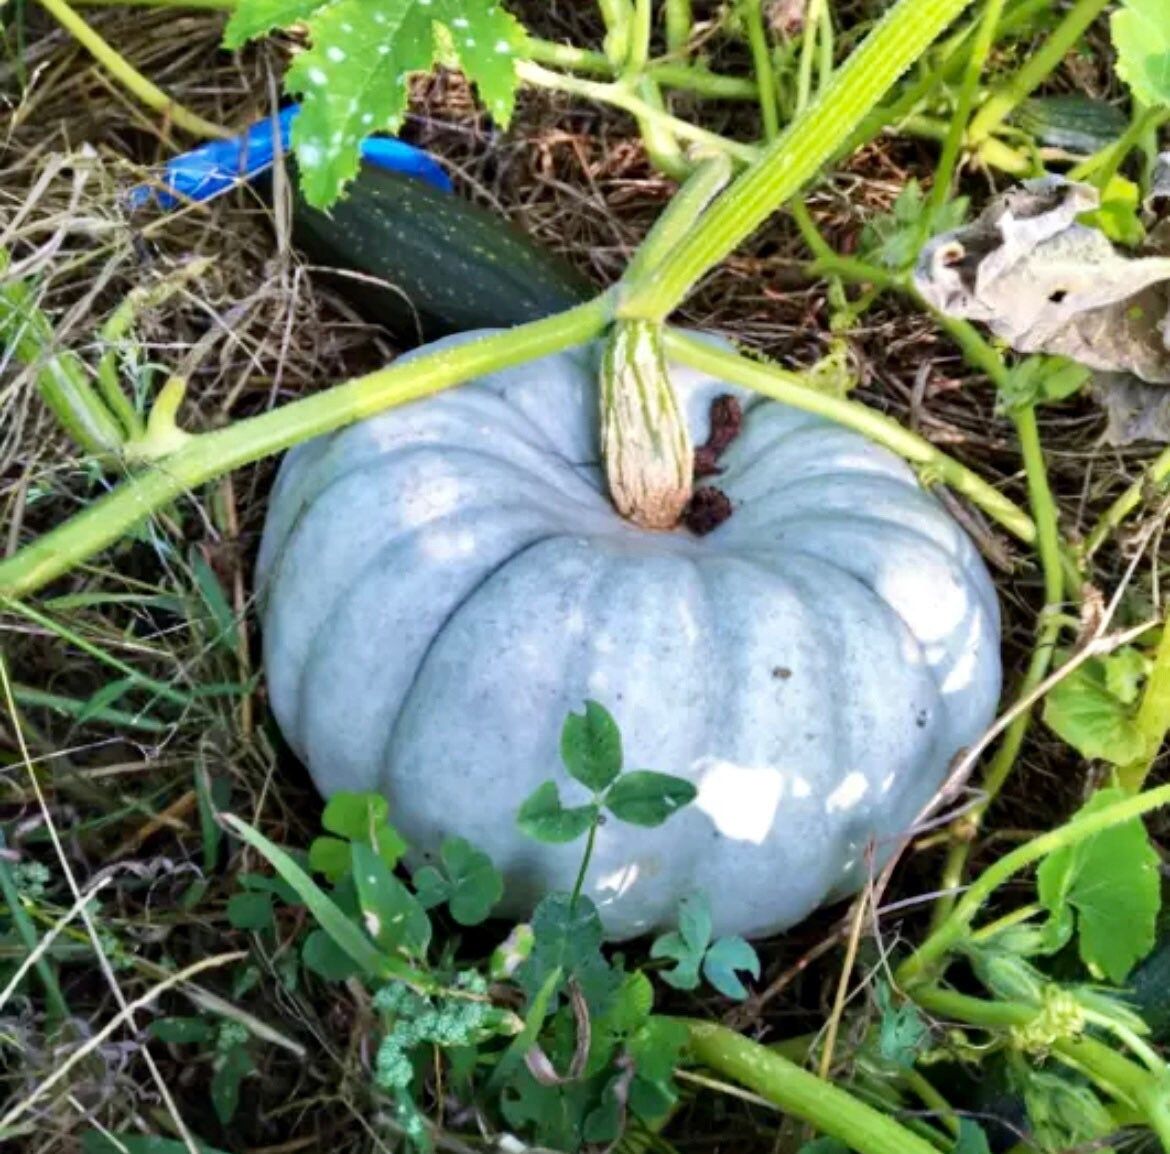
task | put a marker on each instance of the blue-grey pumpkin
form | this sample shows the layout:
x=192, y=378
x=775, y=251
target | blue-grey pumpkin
x=442, y=584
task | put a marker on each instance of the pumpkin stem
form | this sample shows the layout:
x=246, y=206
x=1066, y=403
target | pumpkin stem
x=649, y=458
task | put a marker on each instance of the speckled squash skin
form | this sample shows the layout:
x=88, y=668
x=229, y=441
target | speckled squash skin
x=441, y=585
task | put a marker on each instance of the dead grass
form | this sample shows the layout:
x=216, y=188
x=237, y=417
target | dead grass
x=121, y=794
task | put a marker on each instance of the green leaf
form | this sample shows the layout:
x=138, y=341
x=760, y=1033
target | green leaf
x=471, y=887
x=355, y=816
x=591, y=747
x=331, y=919
x=604, y=1122
x=1081, y=710
x=391, y=913
x=250, y=911
x=684, y=974
x=1118, y=215
x=893, y=239
x=1112, y=882
x=903, y=1031
x=646, y=798
x=686, y=947
x=96, y=1142
x=971, y=1139
x=1037, y=379
x=222, y=615
x=353, y=78
x=694, y=920
x=330, y=856
x=230, y=1071
x=325, y=958
x=543, y=818
x=656, y=1049
x=1125, y=670
x=181, y=1031
x=824, y=1146
x=553, y=1115
x=212, y=795
x=568, y=937
x=1141, y=35
x=725, y=959
x=1064, y=1115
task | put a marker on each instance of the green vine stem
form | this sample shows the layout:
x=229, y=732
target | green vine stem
x=662, y=147
x=1133, y=1084
x=129, y=77
x=795, y=157
x=211, y=455
x=618, y=17
x=680, y=22
x=968, y=92
x=1001, y=103
x=621, y=96
x=929, y=957
x=753, y=17
x=790, y=389
x=833, y=1111
x=638, y=54
x=808, y=49
x=1153, y=715
x=60, y=375
x=679, y=217
x=1152, y=480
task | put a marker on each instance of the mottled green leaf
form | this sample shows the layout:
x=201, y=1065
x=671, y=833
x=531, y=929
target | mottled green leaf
x=230, y=1070
x=392, y=915
x=353, y=77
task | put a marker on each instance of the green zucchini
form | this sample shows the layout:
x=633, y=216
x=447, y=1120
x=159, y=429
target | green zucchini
x=1072, y=122
x=443, y=264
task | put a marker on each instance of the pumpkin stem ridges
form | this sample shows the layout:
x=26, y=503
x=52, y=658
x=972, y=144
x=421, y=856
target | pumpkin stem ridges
x=649, y=458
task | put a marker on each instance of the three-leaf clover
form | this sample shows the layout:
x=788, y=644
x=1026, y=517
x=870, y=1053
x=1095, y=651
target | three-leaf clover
x=692, y=951
x=468, y=882
x=591, y=749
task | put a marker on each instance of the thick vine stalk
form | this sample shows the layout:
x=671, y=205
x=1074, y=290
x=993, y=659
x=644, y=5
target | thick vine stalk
x=211, y=455
x=797, y=155
x=833, y=1111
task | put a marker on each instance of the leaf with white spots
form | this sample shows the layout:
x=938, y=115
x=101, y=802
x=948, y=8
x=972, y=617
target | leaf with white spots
x=352, y=80
x=390, y=912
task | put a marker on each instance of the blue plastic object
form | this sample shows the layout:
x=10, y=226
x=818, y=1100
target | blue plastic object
x=210, y=169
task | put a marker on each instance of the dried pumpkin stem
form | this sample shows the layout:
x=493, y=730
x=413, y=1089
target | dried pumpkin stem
x=647, y=449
